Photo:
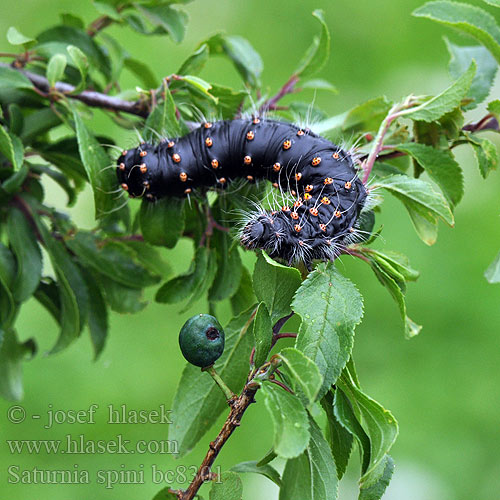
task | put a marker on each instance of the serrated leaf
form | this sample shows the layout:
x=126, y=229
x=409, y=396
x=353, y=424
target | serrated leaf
x=289, y=417
x=265, y=470
x=107, y=10
x=121, y=298
x=419, y=196
x=441, y=167
x=14, y=37
x=173, y=21
x=434, y=108
x=95, y=161
x=426, y=228
x=339, y=438
x=55, y=68
x=486, y=153
x=378, y=423
x=262, y=333
x=461, y=58
x=312, y=475
x=375, y=483
x=330, y=307
x=494, y=108
x=318, y=53
x=304, y=373
x=12, y=148
x=162, y=222
x=275, y=285
x=239, y=50
x=198, y=401
x=466, y=18
x=227, y=487
x=12, y=354
x=395, y=262
x=28, y=256
x=492, y=274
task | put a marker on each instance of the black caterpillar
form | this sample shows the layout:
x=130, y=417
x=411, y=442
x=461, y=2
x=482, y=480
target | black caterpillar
x=328, y=195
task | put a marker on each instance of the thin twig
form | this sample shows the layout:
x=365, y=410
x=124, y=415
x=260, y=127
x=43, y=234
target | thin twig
x=89, y=97
x=288, y=88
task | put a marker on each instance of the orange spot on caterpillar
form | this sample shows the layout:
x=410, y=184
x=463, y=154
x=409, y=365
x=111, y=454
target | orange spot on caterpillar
x=348, y=185
x=215, y=163
x=170, y=144
x=250, y=136
x=294, y=215
x=207, y=125
x=322, y=227
x=250, y=177
x=316, y=161
x=209, y=142
x=143, y=168
x=287, y=144
x=337, y=214
x=222, y=180
x=328, y=180
x=176, y=157
x=183, y=176
x=285, y=208
x=124, y=152
x=298, y=176
x=277, y=167
x=124, y=186
x=325, y=200
x=313, y=211
x=255, y=121
x=247, y=160
x=309, y=188
x=307, y=197
x=121, y=166
x=142, y=154
x=187, y=191
x=297, y=228
x=336, y=155
x=276, y=185
x=300, y=132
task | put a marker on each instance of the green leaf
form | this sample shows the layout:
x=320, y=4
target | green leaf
x=165, y=494
x=23, y=242
x=446, y=101
x=312, y=475
x=319, y=84
x=495, y=3
x=162, y=222
x=419, y=196
x=189, y=283
x=467, y=19
x=107, y=10
x=365, y=117
x=72, y=289
x=289, y=417
x=375, y=483
x=38, y=123
x=142, y=71
x=461, y=59
x=111, y=258
x=239, y=50
x=425, y=227
x=304, y=373
x=16, y=38
x=486, y=153
x=198, y=401
x=494, y=108
x=95, y=161
x=55, y=41
x=229, y=268
x=492, y=274
x=330, y=307
x=7, y=274
x=244, y=296
x=97, y=315
x=12, y=148
x=173, y=21
x=378, y=423
x=339, y=438
x=275, y=285
x=266, y=470
x=69, y=19
x=441, y=167
x=227, y=487
x=121, y=298
x=263, y=334
x=81, y=62
x=318, y=53
x=12, y=354
x=195, y=62
x=396, y=262
x=57, y=177
x=55, y=68
x=12, y=79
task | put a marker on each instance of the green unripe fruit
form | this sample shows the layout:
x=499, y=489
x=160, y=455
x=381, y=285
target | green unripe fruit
x=202, y=340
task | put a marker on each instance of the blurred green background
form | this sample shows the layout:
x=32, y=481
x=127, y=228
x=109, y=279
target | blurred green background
x=443, y=386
